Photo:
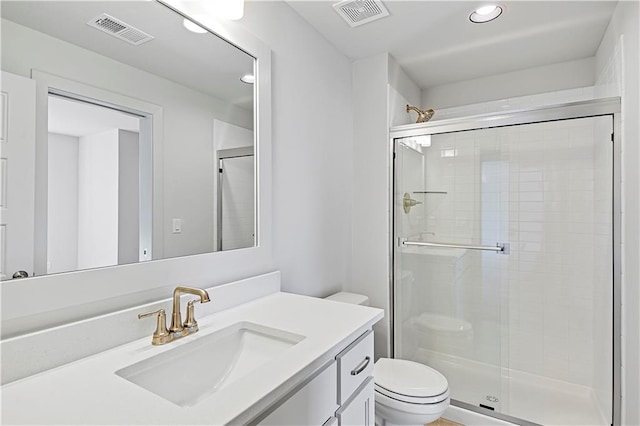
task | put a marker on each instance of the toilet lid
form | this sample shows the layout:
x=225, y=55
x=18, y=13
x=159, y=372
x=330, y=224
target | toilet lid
x=409, y=378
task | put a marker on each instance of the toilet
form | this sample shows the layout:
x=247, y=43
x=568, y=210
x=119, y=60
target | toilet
x=406, y=392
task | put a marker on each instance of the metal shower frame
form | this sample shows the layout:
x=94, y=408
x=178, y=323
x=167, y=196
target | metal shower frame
x=567, y=111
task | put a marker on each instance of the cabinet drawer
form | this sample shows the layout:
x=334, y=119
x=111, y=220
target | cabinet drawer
x=355, y=364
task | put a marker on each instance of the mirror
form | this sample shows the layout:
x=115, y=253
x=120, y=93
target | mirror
x=126, y=137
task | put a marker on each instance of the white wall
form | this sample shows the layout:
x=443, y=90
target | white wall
x=312, y=151
x=128, y=196
x=380, y=92
x=544, y=79
x=370, y=216
x=62, y=241
x=618, y=67
x=98, y=200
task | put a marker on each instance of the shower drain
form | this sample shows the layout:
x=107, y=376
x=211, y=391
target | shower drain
x=492, y=398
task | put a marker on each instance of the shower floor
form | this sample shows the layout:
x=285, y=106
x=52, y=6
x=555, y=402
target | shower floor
x=528, y=397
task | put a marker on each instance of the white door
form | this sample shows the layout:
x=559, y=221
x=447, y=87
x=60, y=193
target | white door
x=17, y=167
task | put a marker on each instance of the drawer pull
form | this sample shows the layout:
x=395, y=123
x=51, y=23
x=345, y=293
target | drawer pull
x=360, y=368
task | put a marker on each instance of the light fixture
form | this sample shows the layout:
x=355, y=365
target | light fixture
x=423, y=140
x=193, y=27
x=485, y=13
x=416, y=142
x=226, y=9
x=248, y=78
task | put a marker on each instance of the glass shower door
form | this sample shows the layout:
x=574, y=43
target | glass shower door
x=449, y=263
x=503, y=266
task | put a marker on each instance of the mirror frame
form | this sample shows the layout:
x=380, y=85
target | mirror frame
x=37, y=303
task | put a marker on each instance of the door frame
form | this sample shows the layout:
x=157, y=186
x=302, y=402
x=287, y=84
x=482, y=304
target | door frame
x=151, y=119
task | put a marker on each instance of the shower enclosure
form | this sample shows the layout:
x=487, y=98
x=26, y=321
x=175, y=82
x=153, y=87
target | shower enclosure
x=505, y=254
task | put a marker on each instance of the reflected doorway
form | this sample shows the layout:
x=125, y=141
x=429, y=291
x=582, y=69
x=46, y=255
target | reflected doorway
x=236, y=198
x=99, y=185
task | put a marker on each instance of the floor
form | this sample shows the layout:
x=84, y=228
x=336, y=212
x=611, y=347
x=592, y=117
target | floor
x=444, y=422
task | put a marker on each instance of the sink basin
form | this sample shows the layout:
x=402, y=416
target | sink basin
x=188, y=373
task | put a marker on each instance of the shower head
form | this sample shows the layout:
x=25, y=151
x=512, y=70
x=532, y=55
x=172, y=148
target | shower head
x=423, y=116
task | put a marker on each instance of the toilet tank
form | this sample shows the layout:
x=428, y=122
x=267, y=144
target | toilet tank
x=346, y=297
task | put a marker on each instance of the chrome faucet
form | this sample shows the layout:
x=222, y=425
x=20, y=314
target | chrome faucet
x=178, y=329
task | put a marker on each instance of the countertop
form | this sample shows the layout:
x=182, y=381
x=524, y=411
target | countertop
x=88, y=391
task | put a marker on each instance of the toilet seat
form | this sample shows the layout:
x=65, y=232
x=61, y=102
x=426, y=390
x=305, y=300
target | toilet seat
x=392, y=404
x=408, y=393
x=409, y=381
x=421, y=400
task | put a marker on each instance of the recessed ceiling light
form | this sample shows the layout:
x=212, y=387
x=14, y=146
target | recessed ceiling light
x=248, y=78
x=485, y=13
x=193, y=27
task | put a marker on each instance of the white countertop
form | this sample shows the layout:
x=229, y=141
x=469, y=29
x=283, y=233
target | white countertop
x=89, y=392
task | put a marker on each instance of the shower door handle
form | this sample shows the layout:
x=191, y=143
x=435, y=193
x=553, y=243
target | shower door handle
x=500, y=248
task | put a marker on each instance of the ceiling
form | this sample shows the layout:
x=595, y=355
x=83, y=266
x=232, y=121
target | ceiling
x=203, y=62
x=435, y=43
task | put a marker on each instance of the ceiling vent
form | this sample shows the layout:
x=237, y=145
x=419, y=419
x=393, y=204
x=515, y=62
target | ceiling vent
x=360, y=12
x=119, y=29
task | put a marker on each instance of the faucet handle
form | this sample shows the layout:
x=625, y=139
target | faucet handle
x=161, y=335
x=190, y=322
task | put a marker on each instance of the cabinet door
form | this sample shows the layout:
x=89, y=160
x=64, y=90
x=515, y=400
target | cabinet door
x=359, y=410
x=314, y=404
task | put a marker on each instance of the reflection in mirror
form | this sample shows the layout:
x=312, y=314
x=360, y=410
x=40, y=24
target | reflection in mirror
x=96, y=191
x=126, y=137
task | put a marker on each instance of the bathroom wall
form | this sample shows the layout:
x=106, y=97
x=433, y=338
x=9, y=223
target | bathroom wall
x=313, y=179
x=618, y=68
x=128, y=196
x=62, y=237
x=98, y=200
x=377, y=84
x=77, y=174
x=543, y=79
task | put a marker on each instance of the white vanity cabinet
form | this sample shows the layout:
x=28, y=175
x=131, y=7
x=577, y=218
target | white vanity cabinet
x=340, y=394
x=359, y=409
x=355, y=383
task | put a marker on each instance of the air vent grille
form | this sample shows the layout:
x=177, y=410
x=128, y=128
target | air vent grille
x=119, y=29
x=360, y=12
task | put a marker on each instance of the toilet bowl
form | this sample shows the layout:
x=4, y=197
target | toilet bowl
x=406, y=392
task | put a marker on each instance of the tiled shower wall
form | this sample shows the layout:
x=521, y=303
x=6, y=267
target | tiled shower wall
x=543, y=189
